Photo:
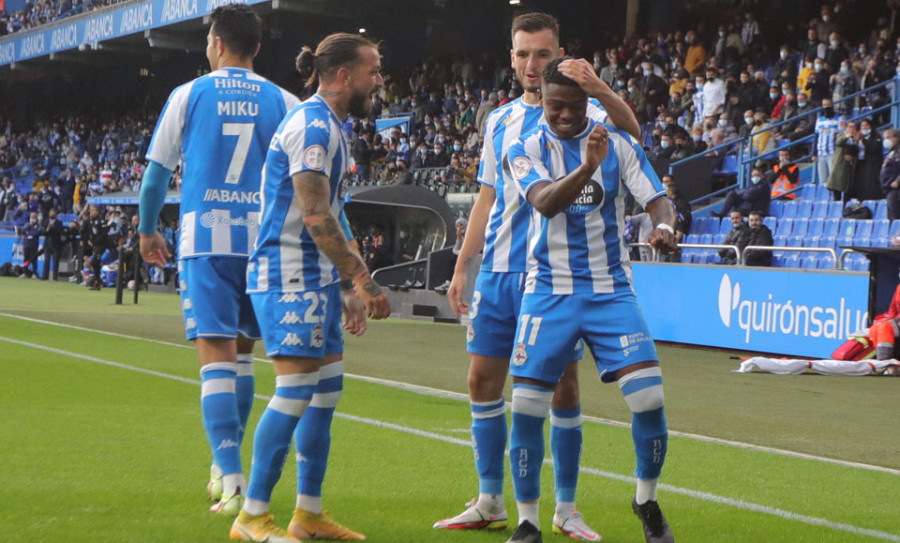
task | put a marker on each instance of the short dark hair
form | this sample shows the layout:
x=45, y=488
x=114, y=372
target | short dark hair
x=757, y=213
x=334, y=52
x=551, y=73
x=535, y=22
x=239, y=27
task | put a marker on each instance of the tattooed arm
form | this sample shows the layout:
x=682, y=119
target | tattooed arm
x=314, y=195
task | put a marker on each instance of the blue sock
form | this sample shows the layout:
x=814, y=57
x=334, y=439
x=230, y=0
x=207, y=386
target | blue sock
x=530, y=406
x=565, y=444
x=218, y=406
x=489, y=438
x=246, y=385
x=313, y=435
x=273, y=433
x=643, y=391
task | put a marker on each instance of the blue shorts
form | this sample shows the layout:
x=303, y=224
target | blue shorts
x=304, y=324
x=214, y=299
x=551, y=326
x=493, y=313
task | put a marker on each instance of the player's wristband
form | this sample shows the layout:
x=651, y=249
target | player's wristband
x=666, y=227
x=347, y=284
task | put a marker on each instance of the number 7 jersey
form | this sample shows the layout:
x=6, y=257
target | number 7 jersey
x=219, y=126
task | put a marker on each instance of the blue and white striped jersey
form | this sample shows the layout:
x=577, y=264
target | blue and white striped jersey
x=827, y=131
x=506, y=234
x=219, y=126
x=582, y=249
x=286, y=257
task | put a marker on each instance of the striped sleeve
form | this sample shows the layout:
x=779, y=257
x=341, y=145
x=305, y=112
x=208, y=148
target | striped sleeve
x=306, y=141
x=487, y=168
x=165, y=147
x=524, y=163
x=636, y=171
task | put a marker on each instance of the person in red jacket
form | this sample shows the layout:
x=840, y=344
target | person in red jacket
x=884, y=331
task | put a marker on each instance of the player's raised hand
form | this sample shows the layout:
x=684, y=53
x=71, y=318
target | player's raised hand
x=663, y=240
x=354, y=313
x=154, y=249
x=597, y=146
x=582, y=72
x=455, y=294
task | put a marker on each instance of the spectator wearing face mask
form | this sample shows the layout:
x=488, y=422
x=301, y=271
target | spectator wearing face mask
x=802, y=125
x=844, y=163
x=828, y=126
x=844, y=83
x=437, y=158
x=725, y=128
x=663, y=149
x=755, y=196
x=866, y=184
x=890, y=173
x=785, y=68
x=819, y=83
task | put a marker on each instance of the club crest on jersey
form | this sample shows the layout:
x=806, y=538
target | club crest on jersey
x=591, y=198
x=314, y=157
x=318, y=336
x=519, y=355
x=520, y=167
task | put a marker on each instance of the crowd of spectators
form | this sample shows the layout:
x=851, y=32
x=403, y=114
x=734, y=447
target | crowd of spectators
x=35, y=14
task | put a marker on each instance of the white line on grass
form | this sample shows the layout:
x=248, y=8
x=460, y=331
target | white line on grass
x=429, y=391
x=706, y=496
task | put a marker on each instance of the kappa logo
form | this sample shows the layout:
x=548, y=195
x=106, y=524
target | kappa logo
x=520, y=167
x=190, y=323
x=226, y=444
x=291, y=317
x=301, y=458
x=183, y=285
x=519, y=355
x=187, y=305
x=291, y=340
x=318, y=123
x=314, y=157
x=289, y=298
x=318, y=336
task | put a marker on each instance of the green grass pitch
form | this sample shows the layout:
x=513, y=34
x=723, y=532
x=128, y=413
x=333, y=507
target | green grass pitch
x=101, y=439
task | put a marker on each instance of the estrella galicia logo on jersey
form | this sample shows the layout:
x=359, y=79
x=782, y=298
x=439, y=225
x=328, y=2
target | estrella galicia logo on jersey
x=591, y=198
x=314, y=157
x=291, y=317
x=318, y=336
x=519, y=355
x=317, y=123
x=520, y=167
x=289, y=298
x=291, y=340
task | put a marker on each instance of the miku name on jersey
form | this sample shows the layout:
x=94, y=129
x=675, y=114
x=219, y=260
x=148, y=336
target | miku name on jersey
x=244, y=109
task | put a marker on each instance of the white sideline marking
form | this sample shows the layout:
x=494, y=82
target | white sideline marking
x=706, y=496
x=429, y=391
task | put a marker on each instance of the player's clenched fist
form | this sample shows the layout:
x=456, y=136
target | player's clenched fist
x=597, y=146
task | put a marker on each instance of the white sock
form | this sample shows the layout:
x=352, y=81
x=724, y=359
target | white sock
x=646, y=491
x=255, y=507
x=529, y=511
x=491, y=503
x=215, y=471
x=565, y=509
x=245, y=357
x=233, y=483
x=312, y=504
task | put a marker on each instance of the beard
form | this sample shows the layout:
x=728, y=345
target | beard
x=360, y=105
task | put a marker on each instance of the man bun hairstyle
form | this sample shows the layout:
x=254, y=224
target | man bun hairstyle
x=535, y=22
x=335, y=51
x=551, y=73
x=239, y=27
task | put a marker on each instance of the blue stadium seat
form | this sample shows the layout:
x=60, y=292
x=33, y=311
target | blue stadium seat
x=770, y=222
x=835, y=210
x=790, y=261
x=729, y=166
x=816, y=227
x=846, y=232
x=706, y=239
x=698, y=226
x=822, y=193
x=880, y=211
x=872, y=205
x=789, y=211
x=831, y=227
x=863, y=234
x=804, y=209
x=880, y=235
x=820, y=210
x=725, y=226
x=807, y=192
x=776, y=208
x=784, y=227
x=825, y=262
x=798, y=232
x=895, y=228
x=712, y=225
x=809, y=261
x=719, y=239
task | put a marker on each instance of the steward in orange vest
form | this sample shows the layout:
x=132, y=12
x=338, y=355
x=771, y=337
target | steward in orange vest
x=787, y=175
